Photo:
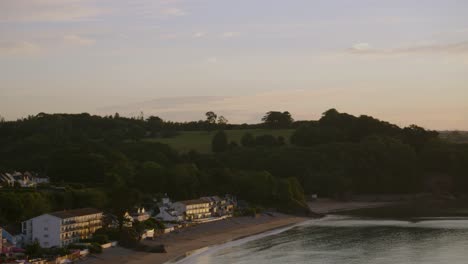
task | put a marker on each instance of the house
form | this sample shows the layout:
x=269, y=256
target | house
x=140, y=214
x=193, y=209
x=168, y=214
x=13, y=235
x=166, y=200
x=24, y=180
x=62, y=228
x=6, y=179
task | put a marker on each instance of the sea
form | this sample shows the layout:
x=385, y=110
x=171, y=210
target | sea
x=347, y=240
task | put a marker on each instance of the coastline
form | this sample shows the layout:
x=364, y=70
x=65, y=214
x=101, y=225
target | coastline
x=193, y=239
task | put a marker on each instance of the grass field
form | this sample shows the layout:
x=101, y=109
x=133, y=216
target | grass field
x=201, y=140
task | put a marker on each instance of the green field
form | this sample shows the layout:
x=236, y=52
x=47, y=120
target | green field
x=201, y=140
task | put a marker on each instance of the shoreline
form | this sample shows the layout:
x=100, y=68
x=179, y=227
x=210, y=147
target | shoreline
x=199, y=238
x=221, y=245
x=191, y=240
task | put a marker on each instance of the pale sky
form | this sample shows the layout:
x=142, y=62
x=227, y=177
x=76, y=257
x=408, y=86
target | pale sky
x=403, y=61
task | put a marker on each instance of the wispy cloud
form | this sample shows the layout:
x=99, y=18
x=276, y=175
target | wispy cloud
x=450, y=48
x=18, y=48
x=47, y=10
x=78, y=40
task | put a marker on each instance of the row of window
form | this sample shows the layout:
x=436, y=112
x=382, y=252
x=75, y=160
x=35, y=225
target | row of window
x=199, y=211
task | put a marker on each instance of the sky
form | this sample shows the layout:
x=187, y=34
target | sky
x=401, y=61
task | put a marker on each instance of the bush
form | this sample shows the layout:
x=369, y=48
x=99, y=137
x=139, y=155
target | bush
x=101, y=239
x=75, y=246
x=113, y=234
x=95, y=248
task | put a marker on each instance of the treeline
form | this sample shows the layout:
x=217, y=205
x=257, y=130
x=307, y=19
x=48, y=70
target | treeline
x=341, y=154
x=106, y=164
x=103, y=163
x=60, y=128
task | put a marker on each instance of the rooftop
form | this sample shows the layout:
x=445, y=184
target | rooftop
x=190, y=202
x=76, y=212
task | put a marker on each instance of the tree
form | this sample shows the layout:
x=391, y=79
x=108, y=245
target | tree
x=222, y=120
x=154, y=124
x=211, y=117
x=275, y=119
x=34, y=250
x=220, y=142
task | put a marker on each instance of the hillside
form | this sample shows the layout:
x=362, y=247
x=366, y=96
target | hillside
x=460, y=137
x=201, y=140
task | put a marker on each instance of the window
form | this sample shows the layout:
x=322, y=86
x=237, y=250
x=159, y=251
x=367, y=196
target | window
x=46, y=229
x=46, y=235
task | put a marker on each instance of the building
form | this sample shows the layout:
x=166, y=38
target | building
x=140, y=214
x=62, y=228
x=168, y=214
x=22, y=179
x=7, y=179
x=13, y=235
x=220, y=206
x=193, y=209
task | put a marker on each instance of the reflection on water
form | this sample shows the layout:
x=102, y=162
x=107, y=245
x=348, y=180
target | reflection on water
x=337, y=240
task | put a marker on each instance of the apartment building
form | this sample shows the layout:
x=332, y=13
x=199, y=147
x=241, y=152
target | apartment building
x=193, y=209
x=62, y=228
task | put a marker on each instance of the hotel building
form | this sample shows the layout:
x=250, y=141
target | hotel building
x=62, y=228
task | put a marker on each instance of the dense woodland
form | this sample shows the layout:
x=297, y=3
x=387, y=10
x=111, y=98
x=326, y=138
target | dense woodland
x=109, y=163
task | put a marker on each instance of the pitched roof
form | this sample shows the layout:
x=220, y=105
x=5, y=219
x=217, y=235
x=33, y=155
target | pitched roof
x=197, y=201
x=75, y=212
x=13, y=229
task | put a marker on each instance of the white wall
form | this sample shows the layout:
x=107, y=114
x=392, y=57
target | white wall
x=46, y=229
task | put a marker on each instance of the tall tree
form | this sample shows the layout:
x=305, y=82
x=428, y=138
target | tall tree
x=211, y=117
x=222, y=120
x=275, y=119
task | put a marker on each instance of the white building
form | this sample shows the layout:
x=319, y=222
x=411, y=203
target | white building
x=62, y=228
x=193, y=209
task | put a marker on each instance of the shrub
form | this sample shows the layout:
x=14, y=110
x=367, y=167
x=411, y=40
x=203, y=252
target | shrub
x=95, y=248
x=101, y=239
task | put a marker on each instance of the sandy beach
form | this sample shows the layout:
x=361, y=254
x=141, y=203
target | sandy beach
x=196, y=237
x=179, y=243
x=330, y=206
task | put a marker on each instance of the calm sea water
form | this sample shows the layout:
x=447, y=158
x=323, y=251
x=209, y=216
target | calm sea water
x=340, y=240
